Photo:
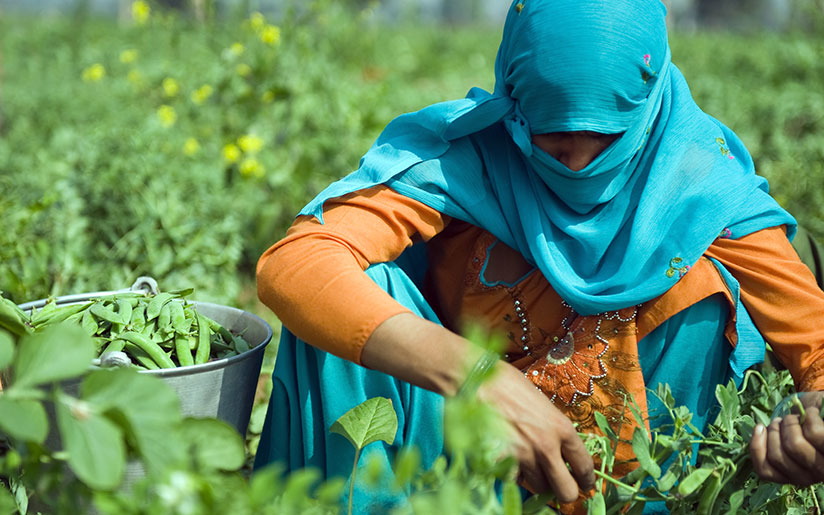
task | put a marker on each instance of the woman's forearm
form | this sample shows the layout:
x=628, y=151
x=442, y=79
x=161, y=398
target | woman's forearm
x=420, y=352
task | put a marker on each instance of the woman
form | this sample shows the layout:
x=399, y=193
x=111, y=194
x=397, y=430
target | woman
x=588, y=209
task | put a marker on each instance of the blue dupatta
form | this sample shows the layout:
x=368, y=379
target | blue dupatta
x=624, y=229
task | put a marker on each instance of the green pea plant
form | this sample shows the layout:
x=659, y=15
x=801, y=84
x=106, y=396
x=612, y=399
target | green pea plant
x=679, y=467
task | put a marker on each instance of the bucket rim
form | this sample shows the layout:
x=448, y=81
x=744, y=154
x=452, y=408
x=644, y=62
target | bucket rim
x=177, y=371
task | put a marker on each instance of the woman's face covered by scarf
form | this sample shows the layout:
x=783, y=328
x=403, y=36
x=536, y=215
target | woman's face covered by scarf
x=587, y=80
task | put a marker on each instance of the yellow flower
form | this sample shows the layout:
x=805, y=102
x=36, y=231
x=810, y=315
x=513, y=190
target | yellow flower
x=141, y=11
x=270, y=35
x=257, y=21
x=250, y=167
x=267, y=97
x=231, y=153
x=128, y=56
x=201, y=94
x=250, y=143
x=170, y=87
x=243, y=69
x=236, y=48
x=191, y=147
x=94, y=73
x=167, y=115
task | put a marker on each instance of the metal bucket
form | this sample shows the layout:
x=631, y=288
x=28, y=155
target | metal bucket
x=223, y=388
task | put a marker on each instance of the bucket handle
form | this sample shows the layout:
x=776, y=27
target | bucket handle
x=143, y=284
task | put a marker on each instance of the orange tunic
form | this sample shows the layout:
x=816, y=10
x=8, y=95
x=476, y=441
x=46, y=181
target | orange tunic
x=300, y=278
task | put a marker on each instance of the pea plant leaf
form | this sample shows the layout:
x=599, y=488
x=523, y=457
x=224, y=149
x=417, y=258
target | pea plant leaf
x=8, y=506
x=214, y=444
x=95, y=447
x=374, y=419
x=24, y=419
x=641, y=445
x=59, y=352
x=6, y=349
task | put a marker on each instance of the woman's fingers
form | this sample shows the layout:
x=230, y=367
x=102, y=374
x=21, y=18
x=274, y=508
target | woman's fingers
x=559, y=477
x=580, y=461
x=787, y=451
x=758, y=454
x=813, y=429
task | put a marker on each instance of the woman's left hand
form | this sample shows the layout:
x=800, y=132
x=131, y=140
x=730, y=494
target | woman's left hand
x=790, y=450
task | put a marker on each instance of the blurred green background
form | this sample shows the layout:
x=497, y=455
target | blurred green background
x=178, y=139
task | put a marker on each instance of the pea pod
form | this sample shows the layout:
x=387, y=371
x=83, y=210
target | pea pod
x=203, y=340
x=104, y=312
x=177, y=317
x=713, y=488
x=140, y=356
x=694, y=480
x=182, y=350
x=124, y=310
x=149, y=347
x=157, y=303
x=115, y=345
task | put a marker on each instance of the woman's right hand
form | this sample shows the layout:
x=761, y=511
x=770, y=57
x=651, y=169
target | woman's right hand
x=543, y=439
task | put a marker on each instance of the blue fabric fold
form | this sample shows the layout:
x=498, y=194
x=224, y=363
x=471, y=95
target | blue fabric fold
x=605, y=237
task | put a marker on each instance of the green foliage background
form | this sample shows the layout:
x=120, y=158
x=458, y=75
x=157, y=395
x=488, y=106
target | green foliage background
x=97, y=190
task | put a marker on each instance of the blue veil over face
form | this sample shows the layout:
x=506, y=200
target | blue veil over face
x=624, y=229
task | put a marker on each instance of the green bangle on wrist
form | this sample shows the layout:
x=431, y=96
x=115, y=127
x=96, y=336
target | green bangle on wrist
x=479, y=372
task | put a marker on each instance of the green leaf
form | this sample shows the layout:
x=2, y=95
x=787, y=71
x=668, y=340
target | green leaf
x=736, y=501
x=6, y=349
x=604, y=426
x=640, y=446
x=511, y=499
x=23, y=419
x=214, y=444
x=372, y=420
x=694, y=480
x=8, y=506
x=596, y=505
x=145, y=407
x=59, y=352
x=96, y=452
x=12, y=318
x=406, y=465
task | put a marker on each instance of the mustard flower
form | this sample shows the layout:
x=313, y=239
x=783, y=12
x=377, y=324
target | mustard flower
x=170, y=87
x=231, y=153
x=236, y=48
x=250, y=143
x=270, y=35
x=191, y=147
x=243, y=69
x=128, y=56
x=202, y=94
x=257, y=21
x=167, y=115
x=94, y=73
x=267, y=97
x=141, y=11
x=251, y=167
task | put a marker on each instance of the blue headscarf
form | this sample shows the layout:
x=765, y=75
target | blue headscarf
x=624, y=229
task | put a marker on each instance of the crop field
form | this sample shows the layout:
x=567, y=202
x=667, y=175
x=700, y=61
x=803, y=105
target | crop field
x=181, y=150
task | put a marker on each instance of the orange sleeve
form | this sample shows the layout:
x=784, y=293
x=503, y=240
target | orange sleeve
x=783, y=299
x=314, y=280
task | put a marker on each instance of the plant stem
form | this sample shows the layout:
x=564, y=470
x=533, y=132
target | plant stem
x=352, y=480
x=815, y=500
x=615, y=481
